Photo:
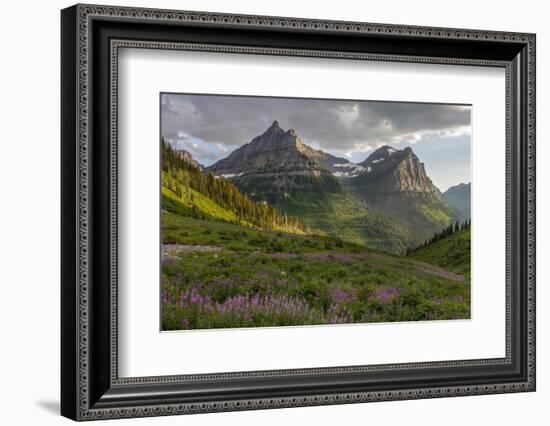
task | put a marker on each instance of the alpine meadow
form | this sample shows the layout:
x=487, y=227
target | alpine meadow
x=291, y=211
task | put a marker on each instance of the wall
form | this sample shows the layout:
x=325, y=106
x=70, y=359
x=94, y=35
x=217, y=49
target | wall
x=29, y=225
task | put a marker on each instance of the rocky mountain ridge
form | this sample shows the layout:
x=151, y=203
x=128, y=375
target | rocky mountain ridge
x=276, y=164
x=390, y=170
x=395, y=182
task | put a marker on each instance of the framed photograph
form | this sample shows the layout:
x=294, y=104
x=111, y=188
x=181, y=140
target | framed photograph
x=263, y=212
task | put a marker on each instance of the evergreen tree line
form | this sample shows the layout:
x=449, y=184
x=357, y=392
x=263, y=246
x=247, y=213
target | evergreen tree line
x=178, y=175
x=445, y=232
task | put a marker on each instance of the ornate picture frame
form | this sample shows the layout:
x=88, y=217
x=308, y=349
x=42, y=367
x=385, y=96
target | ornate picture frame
x=91, y=37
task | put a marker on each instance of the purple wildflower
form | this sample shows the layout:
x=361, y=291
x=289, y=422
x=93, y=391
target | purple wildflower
x=323, y=257
x=341, y=296
x=386, y=294
x=343, y=258
x=168, y=259
x=284, y=255
x=248, y=309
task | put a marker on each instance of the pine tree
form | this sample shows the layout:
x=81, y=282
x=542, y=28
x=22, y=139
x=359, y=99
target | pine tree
x=179, y=176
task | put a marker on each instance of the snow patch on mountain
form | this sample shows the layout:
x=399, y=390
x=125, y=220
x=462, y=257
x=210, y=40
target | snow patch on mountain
x=228, y=175
x=347, y=169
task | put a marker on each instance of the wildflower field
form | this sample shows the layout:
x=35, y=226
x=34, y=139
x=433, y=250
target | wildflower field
x=222, y=275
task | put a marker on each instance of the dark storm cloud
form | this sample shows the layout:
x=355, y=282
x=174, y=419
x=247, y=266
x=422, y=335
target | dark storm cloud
x=346, y=126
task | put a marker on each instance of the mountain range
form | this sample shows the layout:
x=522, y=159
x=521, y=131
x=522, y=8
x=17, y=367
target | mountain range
x=387, y=200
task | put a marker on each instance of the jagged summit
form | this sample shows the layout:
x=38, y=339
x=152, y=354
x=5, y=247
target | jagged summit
x=275, y=148
x=393, y=170
x=274, y=128
x=385, y=152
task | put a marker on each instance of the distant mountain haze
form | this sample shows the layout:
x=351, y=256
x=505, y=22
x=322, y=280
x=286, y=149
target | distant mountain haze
x=459, y=197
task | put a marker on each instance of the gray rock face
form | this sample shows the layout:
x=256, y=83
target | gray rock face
x=275, y=164
x=395, y=182
x=388, y=170
x=273, y=150
x=328, y=161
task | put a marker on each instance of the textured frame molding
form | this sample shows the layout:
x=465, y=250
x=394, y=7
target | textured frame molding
x=116, y=45
x=82, y=402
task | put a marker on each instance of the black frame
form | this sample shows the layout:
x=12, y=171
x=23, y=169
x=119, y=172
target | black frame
x=90, y=386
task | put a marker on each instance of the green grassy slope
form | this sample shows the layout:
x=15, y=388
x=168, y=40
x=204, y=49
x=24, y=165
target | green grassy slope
x=194, y=204
x=452, y=253
x=192, y=231
x=343, y=215
x=425, y=213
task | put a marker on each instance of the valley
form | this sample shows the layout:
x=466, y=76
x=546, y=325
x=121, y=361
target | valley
x=278, y=233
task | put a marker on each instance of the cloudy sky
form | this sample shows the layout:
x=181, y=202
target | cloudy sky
x=210, y=127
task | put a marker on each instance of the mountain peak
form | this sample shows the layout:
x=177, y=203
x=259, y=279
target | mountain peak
x=396, y=170
x=276, y=164
x=273, y=131
x=275, y=128
x=384, y=153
